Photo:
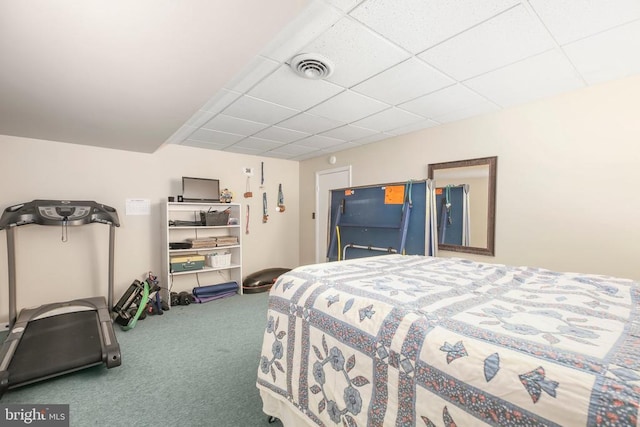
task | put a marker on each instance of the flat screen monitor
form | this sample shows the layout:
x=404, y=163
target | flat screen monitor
x=200, y=189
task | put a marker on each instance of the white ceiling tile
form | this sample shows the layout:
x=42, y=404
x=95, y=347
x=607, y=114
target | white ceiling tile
x=340, y=147
x=181, y=134
x=540, y=76
x=199, y=118
x=309, y=123
x=612, y=54
x=257, y=110
x=286, y=88
x=466, y=112
x=310, y=155
x=389, y=119
x=507, y=38
x=203, y=144
x=349, y=132
x=483, y=55
x=444, y=101
x=294, y=150
x=221, y=100
x=570, y=20
x=410, y=79
x=344, y=5
x=276, y=155
x=313, y=21
x=257, y=69
x=356, y=52
x=257, y=143
x=224, y=123
x=207, y=135
x=243, y=150
x=372, y=138
x=319, y=142
x=276, y=133
x=427, y=123
x=348, y=106
x=420, y=24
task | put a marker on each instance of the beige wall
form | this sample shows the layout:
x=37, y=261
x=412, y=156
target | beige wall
x=568, y=174
x=567, y=195
x=49, y=270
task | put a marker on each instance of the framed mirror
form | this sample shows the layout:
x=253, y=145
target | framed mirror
x=466, y=205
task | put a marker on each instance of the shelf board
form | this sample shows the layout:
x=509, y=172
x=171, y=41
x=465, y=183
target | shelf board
x=191, y=227
x=219, y=248
x=172, y=204
x=205, y=270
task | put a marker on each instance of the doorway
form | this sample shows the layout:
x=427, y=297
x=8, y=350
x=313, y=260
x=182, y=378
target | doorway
x=326, y=181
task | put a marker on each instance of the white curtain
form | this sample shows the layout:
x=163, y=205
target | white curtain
x=431, y=238
x=466, y=222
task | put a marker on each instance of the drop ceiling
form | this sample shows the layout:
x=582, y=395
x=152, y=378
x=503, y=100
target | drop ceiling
x=398, y=67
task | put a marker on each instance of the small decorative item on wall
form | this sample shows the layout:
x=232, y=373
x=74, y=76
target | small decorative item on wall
x=226, y=196
x=249, y=173
x=248, y=193
x=265, y=213
x=280, y=199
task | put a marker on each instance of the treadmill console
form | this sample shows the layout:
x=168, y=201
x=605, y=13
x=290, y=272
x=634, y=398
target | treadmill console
x=56, y=212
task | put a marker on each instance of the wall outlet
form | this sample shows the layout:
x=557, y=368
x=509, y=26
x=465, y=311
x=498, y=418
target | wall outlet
x=247, y=171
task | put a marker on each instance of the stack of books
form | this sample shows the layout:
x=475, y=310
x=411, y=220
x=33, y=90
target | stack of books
x=226, y=240
x=201, y=243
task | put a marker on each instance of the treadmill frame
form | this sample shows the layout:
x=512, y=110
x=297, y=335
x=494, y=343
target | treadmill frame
x=111, y=355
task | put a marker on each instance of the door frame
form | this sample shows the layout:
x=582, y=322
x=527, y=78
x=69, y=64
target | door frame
x=323, y=215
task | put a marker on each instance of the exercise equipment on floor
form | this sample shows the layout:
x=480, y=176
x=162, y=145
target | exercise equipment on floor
x=140, y=299
x=73, y=335
x=261, y=281
x=373, y=220
x=212, y=292
x=181, y=298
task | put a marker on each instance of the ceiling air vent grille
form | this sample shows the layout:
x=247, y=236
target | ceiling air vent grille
x=311, y=66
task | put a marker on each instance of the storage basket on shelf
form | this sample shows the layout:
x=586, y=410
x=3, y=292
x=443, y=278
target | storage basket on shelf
x=214, y=217
x=217, y=260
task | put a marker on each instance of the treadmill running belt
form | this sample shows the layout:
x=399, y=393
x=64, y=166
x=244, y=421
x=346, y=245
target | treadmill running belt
x=56, y=345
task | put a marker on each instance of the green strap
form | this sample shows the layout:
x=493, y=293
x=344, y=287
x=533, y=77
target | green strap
x=141, y=307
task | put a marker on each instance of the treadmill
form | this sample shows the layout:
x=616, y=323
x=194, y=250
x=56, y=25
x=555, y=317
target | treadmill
x=57, y=338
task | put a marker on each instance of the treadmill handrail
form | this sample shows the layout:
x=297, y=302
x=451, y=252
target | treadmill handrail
x=56, y=212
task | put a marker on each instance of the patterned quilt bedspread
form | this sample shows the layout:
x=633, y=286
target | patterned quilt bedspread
x=420, y=341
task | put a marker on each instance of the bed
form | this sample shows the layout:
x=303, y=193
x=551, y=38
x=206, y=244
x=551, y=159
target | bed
x=421, y=341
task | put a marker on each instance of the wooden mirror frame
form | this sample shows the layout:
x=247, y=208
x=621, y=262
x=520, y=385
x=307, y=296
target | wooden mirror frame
x=492, y=162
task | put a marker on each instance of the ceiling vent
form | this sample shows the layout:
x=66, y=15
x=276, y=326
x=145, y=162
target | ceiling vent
x=311, y=66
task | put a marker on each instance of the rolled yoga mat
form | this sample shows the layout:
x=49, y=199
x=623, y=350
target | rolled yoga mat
x=201, y=300
x=213, y=290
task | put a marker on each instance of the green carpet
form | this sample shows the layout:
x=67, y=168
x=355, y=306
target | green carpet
x=195, y=365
